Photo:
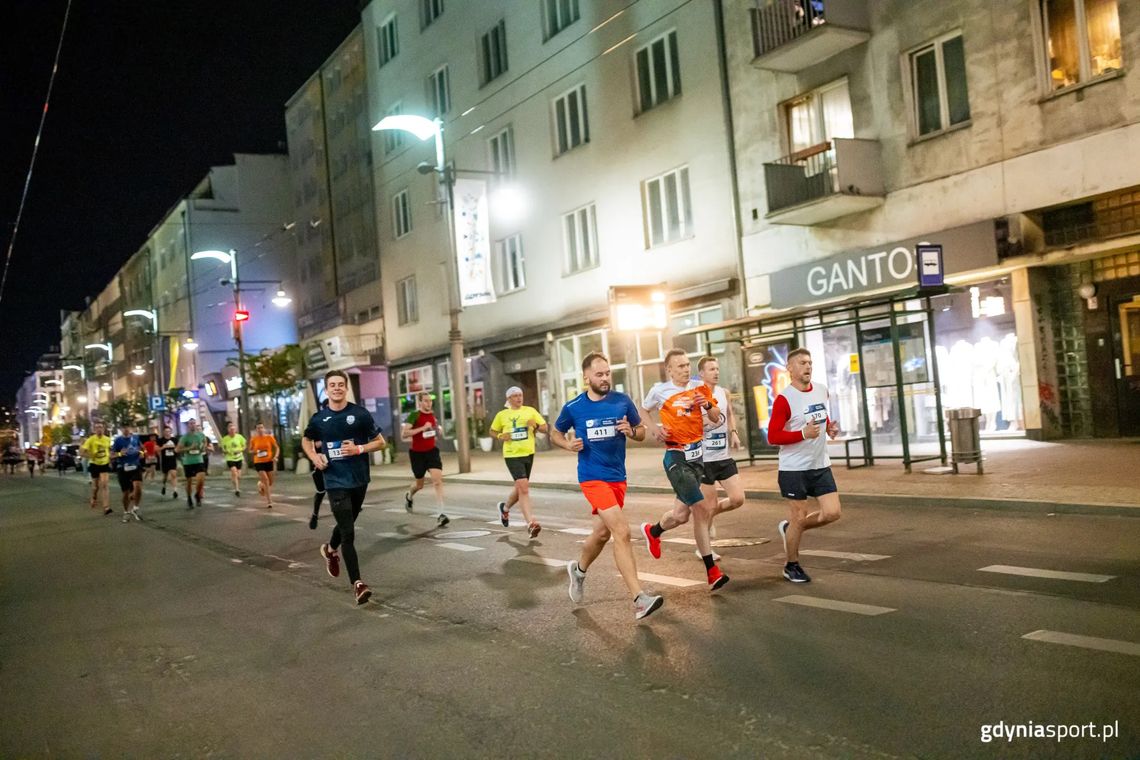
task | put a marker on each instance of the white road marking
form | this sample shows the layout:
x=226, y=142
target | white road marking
x=668, y=580
x=394, y=536
x=398, y=511
x=457, y=534
x=460, y=547
x=576, y=531
x=1085, y=642
x=248, y=509
x=300, y=520
x=1034, y=572
x=832, y=604
x=534, y=559
x=686, y=541
x=856, y=556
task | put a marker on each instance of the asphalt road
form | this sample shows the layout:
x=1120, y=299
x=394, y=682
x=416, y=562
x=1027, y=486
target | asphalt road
x=216, y=632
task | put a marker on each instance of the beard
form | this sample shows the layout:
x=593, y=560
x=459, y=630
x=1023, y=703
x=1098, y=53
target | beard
x=601, y=389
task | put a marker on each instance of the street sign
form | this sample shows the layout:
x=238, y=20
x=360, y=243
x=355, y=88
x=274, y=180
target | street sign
x=157, y=403
x=930, y=270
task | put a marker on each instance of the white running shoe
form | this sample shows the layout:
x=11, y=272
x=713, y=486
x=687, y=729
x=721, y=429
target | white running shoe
x=577, y=581
x=135, y=514
x=646, y=604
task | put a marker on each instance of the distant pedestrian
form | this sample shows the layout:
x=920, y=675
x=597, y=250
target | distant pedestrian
x=799, y=417
x=515, y=426
x=348, y=434
x=422, y=429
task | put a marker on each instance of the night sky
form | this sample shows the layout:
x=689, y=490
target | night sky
x=148, y=97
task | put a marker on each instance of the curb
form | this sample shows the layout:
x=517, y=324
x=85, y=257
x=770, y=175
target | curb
x=859, y=499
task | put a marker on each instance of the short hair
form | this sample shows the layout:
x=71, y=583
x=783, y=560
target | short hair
x=705, y=360
x=798, y=352
x=423, y=394
x=336, y=373
x=674, y=352
x=590, y=358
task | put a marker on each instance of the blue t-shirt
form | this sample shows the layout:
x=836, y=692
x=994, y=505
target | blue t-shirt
x=353, y=423
x=603, y=448
x=130, y=460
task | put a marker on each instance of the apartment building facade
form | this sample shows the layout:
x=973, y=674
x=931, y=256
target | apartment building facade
x=1003, y=132
x=597, y=134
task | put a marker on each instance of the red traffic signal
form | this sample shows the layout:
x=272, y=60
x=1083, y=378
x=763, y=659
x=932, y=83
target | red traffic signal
x=241, y=315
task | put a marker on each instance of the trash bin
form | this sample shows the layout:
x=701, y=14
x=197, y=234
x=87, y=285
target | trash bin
x=965, y=440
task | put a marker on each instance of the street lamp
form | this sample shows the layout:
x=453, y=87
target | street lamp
x=190, y=344
x=423, y=128
x=138, y=371
x=230, y=258
x=105, y=346
x=281, y=299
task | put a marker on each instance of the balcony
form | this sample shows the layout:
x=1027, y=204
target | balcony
x=792, y=35
x=827, y=181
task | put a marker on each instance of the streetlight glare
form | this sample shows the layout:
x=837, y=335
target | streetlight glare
x=81, y=399
x=509, y=204
x=281, y=299
x=420, y=126
x=221, y=256
x=190, y=344
x=138, y=370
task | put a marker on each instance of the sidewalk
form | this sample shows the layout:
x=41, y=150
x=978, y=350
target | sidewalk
x=1102, y=477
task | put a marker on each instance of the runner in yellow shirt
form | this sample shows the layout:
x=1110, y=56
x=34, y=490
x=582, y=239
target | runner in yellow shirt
x=515, y=427
x=97, y=451
x=233, y=451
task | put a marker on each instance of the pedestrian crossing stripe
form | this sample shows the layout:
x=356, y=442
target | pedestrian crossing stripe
x=835, y=604
x=459, y=547
x=1085, y=642
x=1033, y=572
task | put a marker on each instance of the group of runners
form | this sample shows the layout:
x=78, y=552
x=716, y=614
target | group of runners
x=695, y=422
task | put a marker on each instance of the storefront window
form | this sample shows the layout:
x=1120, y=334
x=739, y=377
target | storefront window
x=571, y=349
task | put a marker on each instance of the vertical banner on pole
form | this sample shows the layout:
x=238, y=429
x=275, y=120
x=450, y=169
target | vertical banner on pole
x=473, y=243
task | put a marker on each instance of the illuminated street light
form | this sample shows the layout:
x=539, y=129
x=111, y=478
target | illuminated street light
x=105, y=346
x=151, y=315
x=81, y=399
x=138, y=370
x=235, y=285
x=636, y=308
x=281, y=300
x=105, y=386
x=53, y=382
x=190, y=344
x=78, y=368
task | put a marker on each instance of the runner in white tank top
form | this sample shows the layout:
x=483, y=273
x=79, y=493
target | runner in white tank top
x=720, y=441
x=799, y=418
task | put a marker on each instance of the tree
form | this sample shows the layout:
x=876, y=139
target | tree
x=125, y=410
x=275, y=374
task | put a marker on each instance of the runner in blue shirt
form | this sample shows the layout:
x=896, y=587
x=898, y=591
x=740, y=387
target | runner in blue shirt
x=602, y=419
x=347, y=432
x=126, y=455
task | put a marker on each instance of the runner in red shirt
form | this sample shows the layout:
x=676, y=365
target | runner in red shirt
x=422, y=429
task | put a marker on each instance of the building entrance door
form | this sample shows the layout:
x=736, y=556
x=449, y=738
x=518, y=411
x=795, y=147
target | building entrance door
x=1126, y=339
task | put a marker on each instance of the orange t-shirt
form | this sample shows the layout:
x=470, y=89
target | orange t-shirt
x=682, y=411
x=264, y=448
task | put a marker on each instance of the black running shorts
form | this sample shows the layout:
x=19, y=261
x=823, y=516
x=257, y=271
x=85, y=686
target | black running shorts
x=234, y=463
x=98, y=469
x=519, y=467
x=127, y=479
x=719, y=471
x=684, y=476
x=422, y=461
x=798, y=485
x=263, y=466
x=190, y=470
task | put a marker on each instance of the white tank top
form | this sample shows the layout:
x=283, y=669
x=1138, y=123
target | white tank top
x=804, y=406
x=716, y=436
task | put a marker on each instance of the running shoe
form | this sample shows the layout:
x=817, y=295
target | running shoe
x=126, y=517
x=189, y=502
x=313, y=522
x=442, y=520
x=795, y=573
x=653, y=543
x=237, y=493
x=135, y=514
x=534, y=529
x=504, y=514
x=577, y=581
x=164, y=490
x=198, y=499
x=717, y=579
x=782, y=527
x=363, y=593
x=175, y=495
x=646, y=604
x=715, y=556
x=107, y=511
x=408, y=500
x=332, y=560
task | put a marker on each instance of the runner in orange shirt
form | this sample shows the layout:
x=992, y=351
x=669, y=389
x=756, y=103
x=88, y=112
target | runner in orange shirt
x=264, y=449
x=682, y=403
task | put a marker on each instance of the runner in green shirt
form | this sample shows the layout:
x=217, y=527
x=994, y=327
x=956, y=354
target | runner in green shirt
x=233, y=449
x=193, y=447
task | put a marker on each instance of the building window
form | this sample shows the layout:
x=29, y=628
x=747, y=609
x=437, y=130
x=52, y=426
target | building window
x=559, y=15
x=658, y=71
x=501, y=147
x=651, y=346
x=401, y=214
x=493, y=52
x=571, y=120
x=407, y=307
x=512, y=270
x=580, y=239
x=569, y=351
x=430, y=10
x=393, y=138
x=938, y=80
x=388, y=40
x=818, y=116
x=1081, y=40
x=668, y=211
x=439, y=90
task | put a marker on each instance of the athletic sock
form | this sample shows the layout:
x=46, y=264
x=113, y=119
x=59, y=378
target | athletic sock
x=709, y=564
x=656, y=530
x=579, y=566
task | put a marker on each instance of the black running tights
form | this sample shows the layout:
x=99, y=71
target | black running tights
x=345, y=504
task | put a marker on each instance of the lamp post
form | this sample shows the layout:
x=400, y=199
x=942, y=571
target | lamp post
x=230, y=258
x=423, y=128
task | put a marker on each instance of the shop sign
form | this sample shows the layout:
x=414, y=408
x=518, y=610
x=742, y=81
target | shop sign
x=847, y=274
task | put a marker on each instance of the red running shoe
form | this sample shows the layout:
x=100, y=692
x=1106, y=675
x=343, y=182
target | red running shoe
x=653, y=543
x=717, y=579
x=332, y=560
x=363, y=593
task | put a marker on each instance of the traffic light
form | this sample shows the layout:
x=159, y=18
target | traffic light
x=241, y=315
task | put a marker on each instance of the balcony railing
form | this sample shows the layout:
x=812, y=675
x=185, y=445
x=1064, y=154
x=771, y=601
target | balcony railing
x=824, y=182
x=790, y=35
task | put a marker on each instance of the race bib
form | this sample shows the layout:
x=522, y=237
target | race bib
x=717, y=441
x=194, y=452
x=261, y=454
x=429, y=433
x=334, y=450
x=693, y=451
x=816, y=413
x=520, y=434
x=600, y=430
x=130, y=467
